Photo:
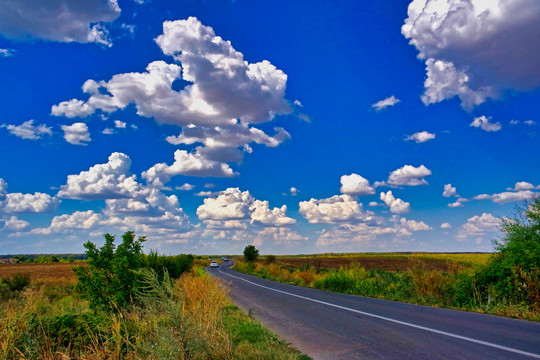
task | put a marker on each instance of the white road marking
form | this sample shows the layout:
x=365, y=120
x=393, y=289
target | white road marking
x=521, y=352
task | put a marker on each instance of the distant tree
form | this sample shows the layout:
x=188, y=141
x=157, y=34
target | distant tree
x=110, y=281
x=251, y=253
x=270, y=259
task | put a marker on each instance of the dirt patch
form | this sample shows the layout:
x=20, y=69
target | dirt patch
x=368, y=262
x=58, y=273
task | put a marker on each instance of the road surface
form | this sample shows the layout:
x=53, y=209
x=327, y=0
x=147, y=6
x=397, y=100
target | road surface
x=331, y=326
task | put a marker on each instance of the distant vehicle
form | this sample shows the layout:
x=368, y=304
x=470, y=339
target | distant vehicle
x=224, y=259
x=214, y=264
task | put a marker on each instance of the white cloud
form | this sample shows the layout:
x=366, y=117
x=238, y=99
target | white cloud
x=108, y=131
x=103, y=181
x=58, y=20
x=7, y=52
x=420, y=137
x=457, y=203
x=233, y=204
x=475, y=49
x=409, y=175
x=27, y=130
x=294, y=191
x=79, y=220
x=13, y=223
x=76, y=134
x=278, y=236
x=406, y=226
x=28, y=203
x=478, y=226
x=530, y=122
x=505, y=197
x=186, y=164
x=185, y=187
x=449, y=191
x=355, y=184
x=338, y=208
x=383, y=104
x=397, y=206
x=3, y=189
x=485, y=124
x=119, y=124
x=523, y=185
x=225, y=98
x=446, y=225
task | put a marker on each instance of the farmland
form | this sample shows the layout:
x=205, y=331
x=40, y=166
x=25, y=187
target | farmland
x=53, y=274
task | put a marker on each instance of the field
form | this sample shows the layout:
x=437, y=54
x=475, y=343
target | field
x=453, y=280
x=57, y=273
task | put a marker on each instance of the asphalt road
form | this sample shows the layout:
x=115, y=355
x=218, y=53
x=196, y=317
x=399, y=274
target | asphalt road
x=331, y=326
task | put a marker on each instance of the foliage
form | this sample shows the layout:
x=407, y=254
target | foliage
x=16, y=282
x=514, y=271
x=110, y=280
x=269, y=259
x=174, y=265
x=251, y=253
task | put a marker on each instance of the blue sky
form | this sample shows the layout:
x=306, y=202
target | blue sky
x=300, y=128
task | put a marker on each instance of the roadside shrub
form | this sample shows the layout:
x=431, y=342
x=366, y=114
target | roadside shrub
x=110, y=280
x=251, y=253
x=174, y=265
x=17, y=282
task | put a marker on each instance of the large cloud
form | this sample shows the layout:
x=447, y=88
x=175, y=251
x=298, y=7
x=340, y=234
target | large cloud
x=226, y=96
x=355, y=184
x=338, y=208
x=58, y=20
x=103, y=181
x=232, y=205
x=478, y=226
x=25, y=203
x=475, y=49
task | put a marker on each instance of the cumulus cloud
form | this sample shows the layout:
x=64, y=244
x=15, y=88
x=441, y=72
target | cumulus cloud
x=397, y=206
x=278, y=236
x=27, y=130
x=13, y=223
x=475, y=49
x=506, y=197
x=186, y=164
x=530, y=122
x=294, y=191
x=420, y=137
x=185, y=187
x=485, y=124
x=76, y=134
x=25, y=203
x=409, y=175
x=446, y=225
x=225, y=97
x=338, y=208
x=103, y=181
x=478, y=226
x=383, y=104
x=449, y=191
x=523, y=185
x=356, y=185
x=58, y=20
x=233, y=204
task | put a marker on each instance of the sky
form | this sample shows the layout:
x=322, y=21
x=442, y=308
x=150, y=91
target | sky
x=328, y=126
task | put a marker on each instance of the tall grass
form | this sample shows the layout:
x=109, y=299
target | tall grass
x=187, y=318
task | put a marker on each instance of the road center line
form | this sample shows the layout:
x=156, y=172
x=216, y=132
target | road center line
x=536, y=356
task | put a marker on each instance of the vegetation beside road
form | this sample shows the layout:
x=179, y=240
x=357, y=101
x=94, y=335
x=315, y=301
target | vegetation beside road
x=505, y=283
x=155, y=317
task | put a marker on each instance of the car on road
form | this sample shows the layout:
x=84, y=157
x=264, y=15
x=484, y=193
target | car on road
x=214, y=264
x=224, y=259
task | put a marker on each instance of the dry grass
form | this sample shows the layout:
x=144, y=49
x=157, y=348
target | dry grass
x=49, y=274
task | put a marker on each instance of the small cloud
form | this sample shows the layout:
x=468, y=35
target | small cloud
x=209, y=186
x=383, y=104
x=374, y=204
x=446, y=226
x=28, y=131
x=76, y=134
x=298, y=103
x=514, y=122
x=207, y=193
x=108, y=131
x=523, y=185
x=185, y=187
x=294, y=191
x=420, y=137
x=119, y=124
x=530, y=122
x=7, y=52
x=449, y=191
x=485, y=124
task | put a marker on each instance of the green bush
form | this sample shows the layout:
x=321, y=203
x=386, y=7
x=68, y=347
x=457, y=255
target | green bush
x=175, y=265
x=110, y=280
x=16, y=282
x=251, y=253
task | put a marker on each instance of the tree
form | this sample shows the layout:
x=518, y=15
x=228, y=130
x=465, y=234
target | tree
x=251, y=253
x=514, y=270
x=110, y=281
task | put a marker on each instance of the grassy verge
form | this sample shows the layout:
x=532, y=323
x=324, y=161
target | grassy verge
x=456, y=288
x=189, y=318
